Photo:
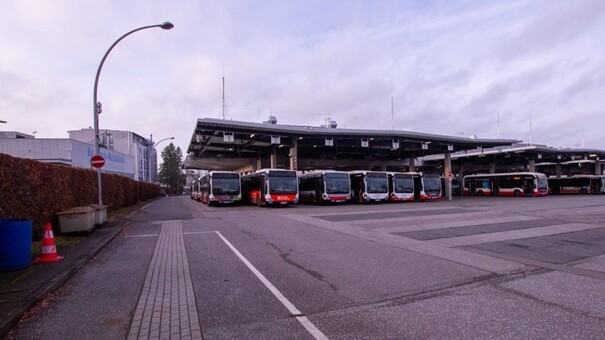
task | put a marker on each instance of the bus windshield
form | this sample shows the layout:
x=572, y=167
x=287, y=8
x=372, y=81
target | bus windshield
x=225, y=186
x=403, y=184
x=283, y=185
x=542, y=183
x=337, y=183
x=377, y=184
x=432, y=185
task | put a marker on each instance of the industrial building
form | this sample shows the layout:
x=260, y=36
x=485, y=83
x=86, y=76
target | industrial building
x=126, y=153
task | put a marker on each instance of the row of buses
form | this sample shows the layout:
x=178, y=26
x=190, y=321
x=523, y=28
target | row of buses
x=285, y=187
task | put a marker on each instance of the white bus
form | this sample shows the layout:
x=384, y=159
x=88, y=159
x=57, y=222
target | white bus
x=324, y=186
x=506, y=184
x=195, y=189
x=369, y=186
x=220, y=187
x=432, y=186
x=406, y=186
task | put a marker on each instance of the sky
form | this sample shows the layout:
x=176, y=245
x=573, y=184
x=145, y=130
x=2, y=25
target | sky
x=510, y=69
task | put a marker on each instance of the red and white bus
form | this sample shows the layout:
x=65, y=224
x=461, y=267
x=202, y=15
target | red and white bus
x=195, y=189
x=369, y=186
x=324, y=186
x=220, y=187
x=432, y=186
x=577, y=184
x=270, y=187
x=506, y=184
x=406, y=186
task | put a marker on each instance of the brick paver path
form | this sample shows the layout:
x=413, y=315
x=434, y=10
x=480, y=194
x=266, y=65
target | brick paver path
x=166, y=308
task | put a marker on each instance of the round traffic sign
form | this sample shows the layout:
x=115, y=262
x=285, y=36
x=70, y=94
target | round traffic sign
x=97, y=161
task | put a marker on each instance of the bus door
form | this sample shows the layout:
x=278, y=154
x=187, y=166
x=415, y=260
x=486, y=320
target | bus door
x=357, y=187
x=529, y=185
x=472, y=187
x=417, y=187
x=320, y=185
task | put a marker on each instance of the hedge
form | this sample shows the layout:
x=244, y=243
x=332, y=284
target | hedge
x=37, y=191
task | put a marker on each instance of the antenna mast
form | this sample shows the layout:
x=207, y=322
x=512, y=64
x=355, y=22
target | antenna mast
x=498, y=124
x=530, y=130
x=392, y=114
x=223, y=98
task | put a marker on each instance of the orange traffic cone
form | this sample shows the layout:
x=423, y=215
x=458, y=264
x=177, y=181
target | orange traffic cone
x=48, y=252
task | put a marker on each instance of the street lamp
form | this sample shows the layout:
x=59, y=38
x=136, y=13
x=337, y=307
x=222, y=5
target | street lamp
x=154, y=145
x=97, y=105
x=155, y=157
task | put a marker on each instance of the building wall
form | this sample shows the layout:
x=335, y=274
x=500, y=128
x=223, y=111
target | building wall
x=126, y=142
x=68, y=152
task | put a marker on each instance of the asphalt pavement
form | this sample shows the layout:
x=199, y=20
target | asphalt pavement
x=468, y=268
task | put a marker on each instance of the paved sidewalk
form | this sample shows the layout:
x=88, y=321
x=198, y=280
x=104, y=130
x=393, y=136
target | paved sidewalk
x=166, y=307
x=22, y=289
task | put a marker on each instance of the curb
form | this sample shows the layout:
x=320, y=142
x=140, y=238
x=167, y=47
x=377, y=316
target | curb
x=54, y=283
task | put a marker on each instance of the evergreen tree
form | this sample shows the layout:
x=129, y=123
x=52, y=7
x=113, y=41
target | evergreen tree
x=170, y=169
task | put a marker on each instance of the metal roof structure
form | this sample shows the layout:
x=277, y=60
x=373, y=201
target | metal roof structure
x=520, y=156
x=231, y=145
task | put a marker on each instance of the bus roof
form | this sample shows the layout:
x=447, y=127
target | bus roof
x=539, y=174
x=365, y=172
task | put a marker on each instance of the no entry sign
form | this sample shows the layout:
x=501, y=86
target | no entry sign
x=97, y=161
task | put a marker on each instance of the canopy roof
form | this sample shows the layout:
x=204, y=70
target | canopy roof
x=226, y=144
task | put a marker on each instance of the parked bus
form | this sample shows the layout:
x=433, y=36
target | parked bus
x=195, y=189
x=369, y=186
x=326, y=186
x=406, y=186
x=432, y=186
x=270, y=187
x=577, y=184
x=220, y=187
x=506, y=184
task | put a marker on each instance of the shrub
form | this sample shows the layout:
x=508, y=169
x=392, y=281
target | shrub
x=34, y=190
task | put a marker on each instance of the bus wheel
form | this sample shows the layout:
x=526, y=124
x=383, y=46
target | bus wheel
x=517, y=193
x=479, y=193
x=583, y=191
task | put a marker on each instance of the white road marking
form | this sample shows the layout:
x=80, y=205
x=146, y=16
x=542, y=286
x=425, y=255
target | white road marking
x=144, y=235
x=199, y=232
x=316, y=333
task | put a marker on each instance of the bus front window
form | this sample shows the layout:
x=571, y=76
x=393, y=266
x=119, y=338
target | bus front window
x=542, y=184
x=337, y=183
x=403, y=185
x=377, y=185
x=432, y=185
x=283, y=185
x=225, y=186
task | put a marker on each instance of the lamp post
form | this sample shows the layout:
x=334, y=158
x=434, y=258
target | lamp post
x=156, y=156
x=97, y=105
x=161, y=140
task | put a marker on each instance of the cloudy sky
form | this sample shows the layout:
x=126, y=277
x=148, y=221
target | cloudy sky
x=449, y=67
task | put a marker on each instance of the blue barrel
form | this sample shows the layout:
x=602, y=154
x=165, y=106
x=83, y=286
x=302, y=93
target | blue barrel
x=15, y=244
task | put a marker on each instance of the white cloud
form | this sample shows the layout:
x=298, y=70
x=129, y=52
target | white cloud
x=450, y=67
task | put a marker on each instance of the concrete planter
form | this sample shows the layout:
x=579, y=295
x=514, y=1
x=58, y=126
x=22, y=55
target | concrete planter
x=100, y=214
x=77, y=219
